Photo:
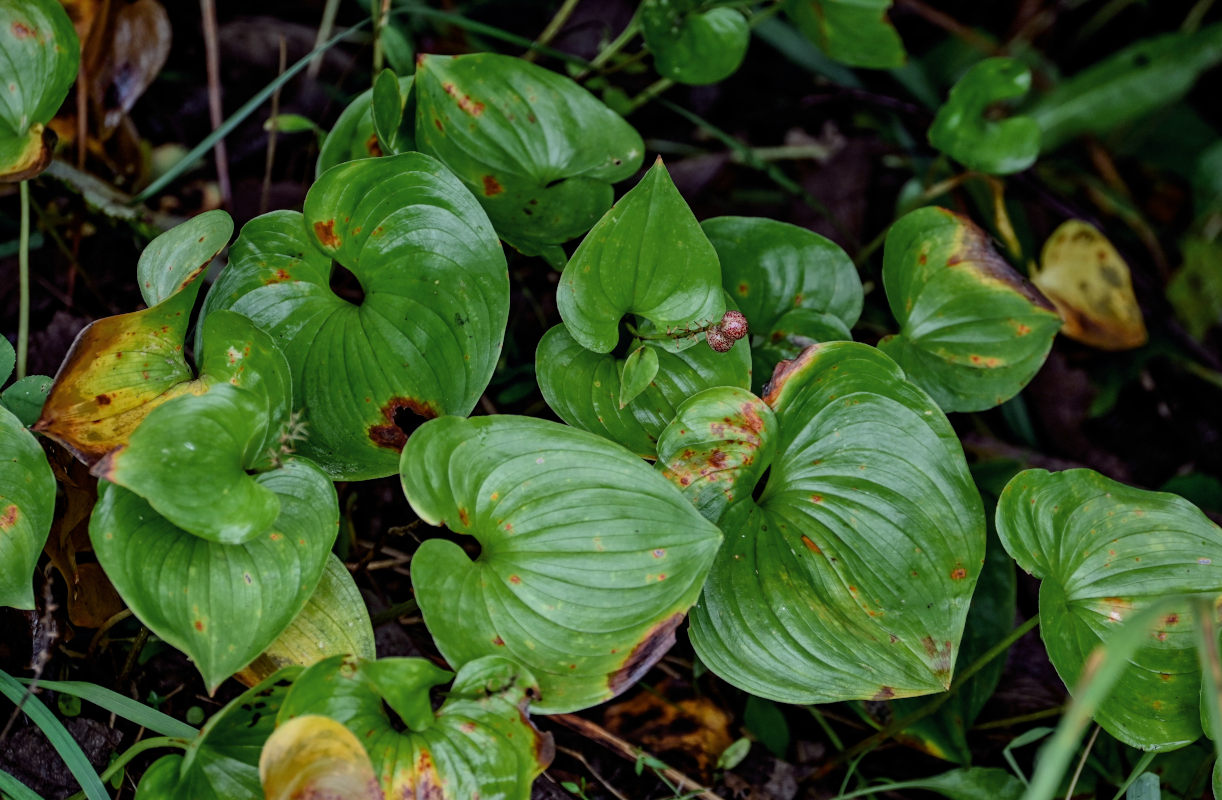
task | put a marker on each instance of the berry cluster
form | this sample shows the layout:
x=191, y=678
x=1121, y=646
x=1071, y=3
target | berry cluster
x=722, y=335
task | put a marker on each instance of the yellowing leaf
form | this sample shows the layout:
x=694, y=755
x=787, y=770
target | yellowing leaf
x=333, y=622
x=1090, y=285
x=316, y=757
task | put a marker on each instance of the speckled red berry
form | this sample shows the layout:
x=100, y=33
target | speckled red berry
x=734, y=323
x=718, y=339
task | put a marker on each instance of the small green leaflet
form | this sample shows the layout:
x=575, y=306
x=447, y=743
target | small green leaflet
x=639, y=369
x=853, y=32
x=692, y=43
x=27, y=501
x=962, y=131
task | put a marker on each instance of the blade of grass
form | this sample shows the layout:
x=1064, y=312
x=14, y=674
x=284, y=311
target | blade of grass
x=11, y=787
x=1103, y=669
x=58, y=735
x=235, y=119
x=122, y=705
x=23, y=271
x=475, y=26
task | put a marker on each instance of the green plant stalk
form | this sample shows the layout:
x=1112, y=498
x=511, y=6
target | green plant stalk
x=74, y=758
x=23, y=271
x=1103, y=668
x=488, y=30
x=617, y=44
x=897, y=725
x=123, y=706
x=1135, y=773
x=553, y=27
x=248, y=108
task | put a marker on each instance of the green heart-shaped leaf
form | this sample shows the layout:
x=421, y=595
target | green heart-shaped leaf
x=853, y=32
x=795, y=287
x=121, y=368
x=353, y=136
x=583, y=387
x=1104, y=551
x=850, y=576
x=973, y=331
x=427, y=335
x=220, y=604
x=962, y=131
x=694, y=46
x=222, y=762
x=589, y=558
x=539, y=151
x=41, y=56
x=647, y=256
x=188, y=459
x=480, y=743
x=27, y=500
x=333, y=622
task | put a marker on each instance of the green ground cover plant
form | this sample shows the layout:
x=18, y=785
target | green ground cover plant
x=730, y=454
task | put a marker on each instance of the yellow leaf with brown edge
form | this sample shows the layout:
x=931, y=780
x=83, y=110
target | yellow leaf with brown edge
x=24, y=156
x=120, y=368
x=313, y=757
x=1091, y=286
x=333, y=622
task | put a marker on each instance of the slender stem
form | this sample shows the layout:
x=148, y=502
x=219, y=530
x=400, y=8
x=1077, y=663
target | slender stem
x=325, y=26
x=608, y=52
x=265, y=195
x=380, y=19
x=212, y=61
x=130, y=753
x=557, y=23
x=1021, y=719
x=23, y=271
x=897, y=725
x=650, y=92
x=1077, y=773
x=394, y=612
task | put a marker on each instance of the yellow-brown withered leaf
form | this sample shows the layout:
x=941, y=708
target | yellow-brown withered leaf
x=313, y=757
x=1090, y=285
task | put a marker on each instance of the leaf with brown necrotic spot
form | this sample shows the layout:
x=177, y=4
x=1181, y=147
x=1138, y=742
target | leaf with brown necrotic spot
x=850, y=576
x=1090, y=285
x=973, y=331
x=589, y=559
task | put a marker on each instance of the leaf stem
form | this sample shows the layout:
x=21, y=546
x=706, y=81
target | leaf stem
x=650, y=92
x=617, y=44
x=553, y=27
x=23, y=270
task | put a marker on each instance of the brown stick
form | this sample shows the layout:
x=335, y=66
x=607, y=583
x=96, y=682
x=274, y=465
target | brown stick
x=609, y=740
x=212, y=57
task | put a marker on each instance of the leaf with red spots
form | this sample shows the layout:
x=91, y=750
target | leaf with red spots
x=222, y=763
x=353, y=135
x=588, y=561
x=41, y=57
x=839, y=581
x=551, y=146
x=1103, y=552
x=973, y=331
x=963, y=130
x=691, y=44
x=424, y=339
x=795, y=287
x=583, y=387
x=480, y=743
x=27, y=500
x=221, y=604
x=121, y=368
